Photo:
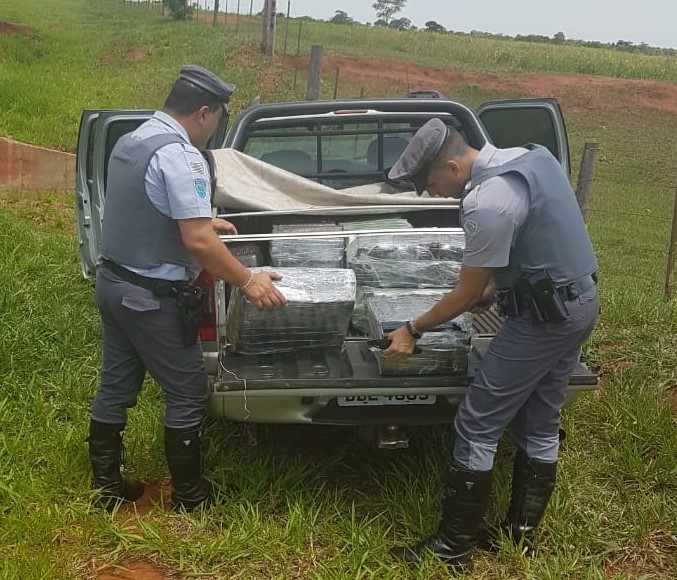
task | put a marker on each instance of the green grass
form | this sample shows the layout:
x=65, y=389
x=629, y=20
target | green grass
x=308, y=502
x=469, y=54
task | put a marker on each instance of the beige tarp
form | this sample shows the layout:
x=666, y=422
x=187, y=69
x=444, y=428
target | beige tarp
x=245, y=183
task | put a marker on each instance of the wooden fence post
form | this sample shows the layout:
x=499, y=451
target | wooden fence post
x=298, y=44
x=268, y=27
x=314, y=73
x=672, y=250
x=586, y=176
x=336, y=82
x=286, y=27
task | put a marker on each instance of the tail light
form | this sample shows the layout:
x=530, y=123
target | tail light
x=208, y=326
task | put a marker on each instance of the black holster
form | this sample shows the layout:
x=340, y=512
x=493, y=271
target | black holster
x=536, y=294
x=191, y=301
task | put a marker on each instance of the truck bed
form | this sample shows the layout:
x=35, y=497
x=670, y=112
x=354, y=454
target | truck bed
x=353, y=366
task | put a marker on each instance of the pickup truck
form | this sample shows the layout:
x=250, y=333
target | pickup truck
x=340, y=144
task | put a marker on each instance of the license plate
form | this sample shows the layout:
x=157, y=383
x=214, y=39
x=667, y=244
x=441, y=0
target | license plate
x=382, y=400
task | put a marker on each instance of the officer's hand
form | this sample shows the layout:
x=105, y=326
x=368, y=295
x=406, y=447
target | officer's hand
x=223, y=227
x=484, y=303
x=263, y=293
x=402, y=344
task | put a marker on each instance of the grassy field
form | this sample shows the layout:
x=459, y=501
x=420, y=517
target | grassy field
x=315, y=503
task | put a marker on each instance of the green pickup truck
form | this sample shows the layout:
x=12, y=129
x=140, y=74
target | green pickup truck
x=341, y=144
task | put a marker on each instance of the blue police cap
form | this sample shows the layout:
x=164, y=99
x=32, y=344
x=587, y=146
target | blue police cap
x=207, y=80
x=414, y=163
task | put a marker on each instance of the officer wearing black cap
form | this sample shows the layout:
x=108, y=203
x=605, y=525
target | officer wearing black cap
x=526, y=244
x=158, y=234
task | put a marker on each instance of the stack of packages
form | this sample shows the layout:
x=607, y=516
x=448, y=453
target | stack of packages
x=359, y=321
x=401, y=276
x=320, y=304
x=444, y=350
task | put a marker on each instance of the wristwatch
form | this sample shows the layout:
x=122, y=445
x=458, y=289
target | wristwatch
x=411, y=329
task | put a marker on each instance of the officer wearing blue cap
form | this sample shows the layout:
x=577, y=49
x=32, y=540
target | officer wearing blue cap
x=526, y=245
x=158, y=234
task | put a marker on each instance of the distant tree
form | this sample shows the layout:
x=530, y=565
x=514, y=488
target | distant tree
x=341, y=17
x=400, y=24
x=386, y=9
x=432, y=26
x=559, y=38
x=178, y=9
x=625, y=45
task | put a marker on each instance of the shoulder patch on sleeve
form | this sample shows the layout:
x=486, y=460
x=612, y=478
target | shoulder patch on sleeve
x=470, y=226
x=201, y=188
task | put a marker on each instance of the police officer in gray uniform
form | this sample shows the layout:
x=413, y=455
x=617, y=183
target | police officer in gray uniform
x=158, y=233
x=526, y=245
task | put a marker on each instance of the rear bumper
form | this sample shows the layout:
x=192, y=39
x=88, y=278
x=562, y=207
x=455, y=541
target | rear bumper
x=320, y=405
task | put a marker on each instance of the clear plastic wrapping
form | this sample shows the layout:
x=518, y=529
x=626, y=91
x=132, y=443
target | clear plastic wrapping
x=441, y=353
x=320, y=304
x=394, y=296
x=406, y=261
x=444, y=350
x=393, y=223
x=307, y=252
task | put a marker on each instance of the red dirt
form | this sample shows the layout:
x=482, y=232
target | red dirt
x=576, y=91
x=136, y=54
x=132, y=571
x=154, y=495
x=13, y=28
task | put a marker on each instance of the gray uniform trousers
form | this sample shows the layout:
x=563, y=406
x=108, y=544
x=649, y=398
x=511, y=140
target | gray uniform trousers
x=141, y=332
x=521, y=384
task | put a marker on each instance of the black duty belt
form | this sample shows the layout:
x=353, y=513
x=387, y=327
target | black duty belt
x=574, y=289
x=158, y=286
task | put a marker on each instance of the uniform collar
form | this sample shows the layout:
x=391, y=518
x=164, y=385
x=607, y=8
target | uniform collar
x=483, y=159
x=482, y=162
x=172, y=123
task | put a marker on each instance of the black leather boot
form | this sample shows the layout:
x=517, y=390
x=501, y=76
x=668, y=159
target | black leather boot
x=532, y=485
x=465, y=499
x=106, y=454
x=184, y=457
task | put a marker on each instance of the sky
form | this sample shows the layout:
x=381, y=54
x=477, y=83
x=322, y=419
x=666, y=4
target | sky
x=651, y=21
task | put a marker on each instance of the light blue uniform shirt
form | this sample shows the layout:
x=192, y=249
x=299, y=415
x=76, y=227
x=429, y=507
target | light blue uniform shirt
x=177, y=183
x=494, y=211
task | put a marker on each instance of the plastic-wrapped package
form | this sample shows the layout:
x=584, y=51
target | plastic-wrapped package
x=248, y=253
x=308, y=252
x=441, y=353
x=377, y=224
x=394, y=296
x=444, y=350
x=406, y=261
x=319, y=307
